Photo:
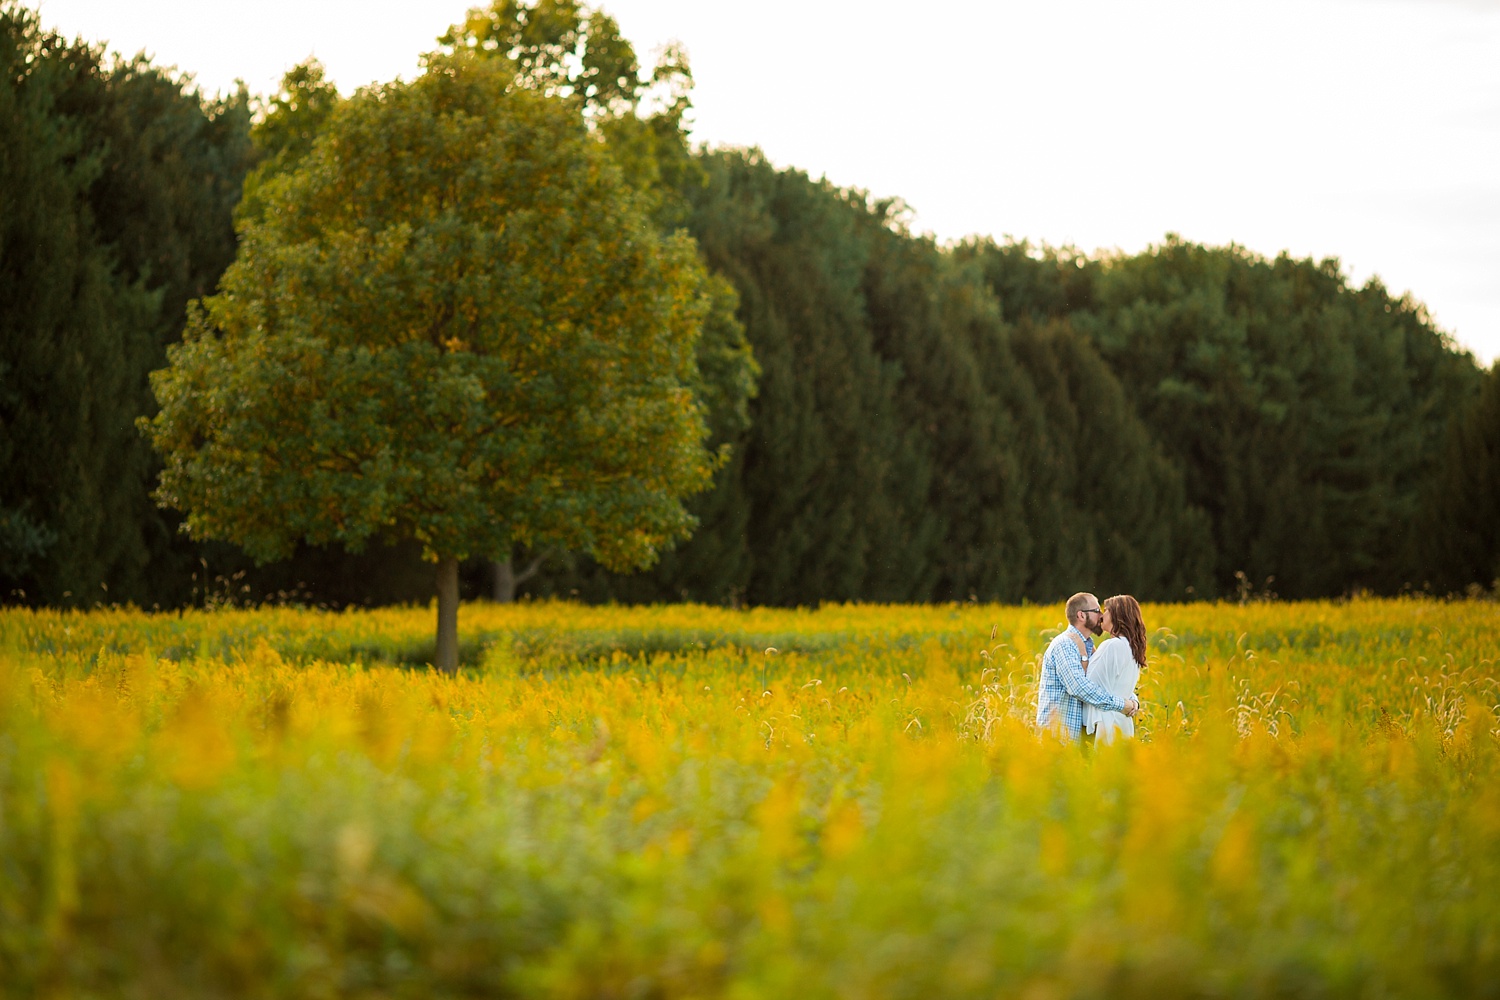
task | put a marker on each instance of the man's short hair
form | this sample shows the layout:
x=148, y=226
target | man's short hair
x=1077, y=603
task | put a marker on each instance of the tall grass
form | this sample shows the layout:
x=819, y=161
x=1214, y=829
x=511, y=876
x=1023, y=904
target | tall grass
x=694, y=802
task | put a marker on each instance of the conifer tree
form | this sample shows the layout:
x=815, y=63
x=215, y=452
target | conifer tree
x=824, y=437
x=964, y=534
x=68, y=330
x=1458, y=545
x=1102, y=501
x=119, y=182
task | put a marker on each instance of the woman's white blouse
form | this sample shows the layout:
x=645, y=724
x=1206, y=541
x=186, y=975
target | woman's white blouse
x=1114, y=668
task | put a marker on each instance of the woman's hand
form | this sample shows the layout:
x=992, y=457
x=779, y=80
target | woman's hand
x=1083, y=653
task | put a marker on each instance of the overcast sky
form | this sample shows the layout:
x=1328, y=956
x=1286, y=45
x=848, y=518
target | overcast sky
x=1367, y=130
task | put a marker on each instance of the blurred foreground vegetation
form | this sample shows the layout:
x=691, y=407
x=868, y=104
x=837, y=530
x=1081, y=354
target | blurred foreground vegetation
x=689, y=801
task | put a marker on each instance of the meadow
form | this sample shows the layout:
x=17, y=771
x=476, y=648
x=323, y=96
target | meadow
x=684, y=801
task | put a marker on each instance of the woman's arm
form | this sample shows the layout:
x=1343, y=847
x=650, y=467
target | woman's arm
x=1083, y=652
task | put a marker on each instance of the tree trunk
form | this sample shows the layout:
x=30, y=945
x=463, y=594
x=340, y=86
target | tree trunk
x=446, y=659
x=505, y=581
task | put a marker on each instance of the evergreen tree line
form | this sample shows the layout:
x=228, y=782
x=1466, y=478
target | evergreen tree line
x=117, y=184
x=1007, y=422
x=927, y=422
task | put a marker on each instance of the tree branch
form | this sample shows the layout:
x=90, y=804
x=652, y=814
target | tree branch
x=531, y=568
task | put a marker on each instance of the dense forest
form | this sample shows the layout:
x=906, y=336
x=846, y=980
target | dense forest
x=920, y=422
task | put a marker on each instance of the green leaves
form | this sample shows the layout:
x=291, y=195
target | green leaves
x=559, y=48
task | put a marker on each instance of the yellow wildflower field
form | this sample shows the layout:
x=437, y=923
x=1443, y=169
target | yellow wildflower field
x=686, y=801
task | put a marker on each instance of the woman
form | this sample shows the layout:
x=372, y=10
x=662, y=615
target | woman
x=1116, y=666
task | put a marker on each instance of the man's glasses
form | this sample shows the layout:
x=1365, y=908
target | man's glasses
x=1093, y=611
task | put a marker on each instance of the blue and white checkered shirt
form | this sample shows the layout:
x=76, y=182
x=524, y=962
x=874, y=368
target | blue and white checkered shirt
x=1064, y=687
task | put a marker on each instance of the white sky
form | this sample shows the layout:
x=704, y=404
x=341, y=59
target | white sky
x=1367, y=130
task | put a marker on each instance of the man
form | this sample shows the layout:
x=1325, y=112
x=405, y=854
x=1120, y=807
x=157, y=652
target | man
x=1064, y=686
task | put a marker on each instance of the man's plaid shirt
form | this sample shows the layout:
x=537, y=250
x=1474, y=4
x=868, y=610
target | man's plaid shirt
x=1064, y=687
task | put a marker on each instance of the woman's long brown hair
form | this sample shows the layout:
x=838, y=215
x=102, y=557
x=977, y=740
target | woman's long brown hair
x=1126, y=615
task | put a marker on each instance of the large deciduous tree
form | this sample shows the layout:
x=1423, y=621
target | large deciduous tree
x=451, y=322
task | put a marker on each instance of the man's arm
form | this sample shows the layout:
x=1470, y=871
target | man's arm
x=1070, y=672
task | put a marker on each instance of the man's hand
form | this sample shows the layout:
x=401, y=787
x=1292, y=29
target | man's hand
x=1131, y=707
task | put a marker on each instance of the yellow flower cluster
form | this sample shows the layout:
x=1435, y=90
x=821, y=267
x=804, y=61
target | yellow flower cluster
x=688, y=801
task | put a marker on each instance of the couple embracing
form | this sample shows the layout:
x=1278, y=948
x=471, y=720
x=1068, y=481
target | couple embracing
x=1089, y=695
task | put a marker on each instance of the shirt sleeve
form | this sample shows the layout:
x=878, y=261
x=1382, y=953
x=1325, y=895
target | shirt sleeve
x=1078, y=684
